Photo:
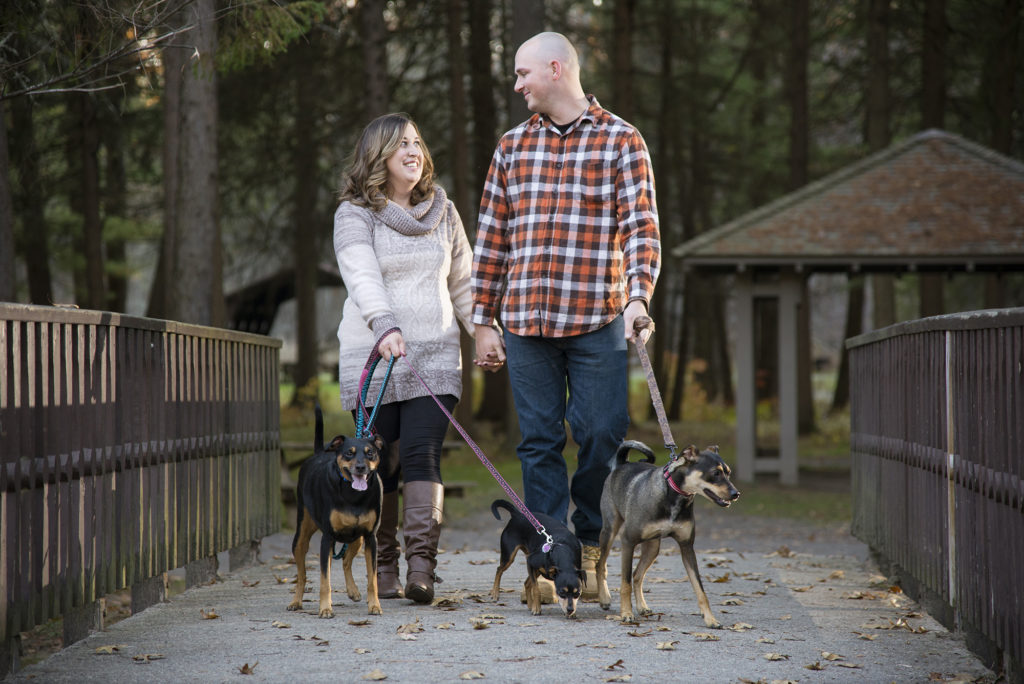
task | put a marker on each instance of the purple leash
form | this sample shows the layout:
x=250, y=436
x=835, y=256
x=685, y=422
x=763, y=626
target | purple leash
x=483, y=459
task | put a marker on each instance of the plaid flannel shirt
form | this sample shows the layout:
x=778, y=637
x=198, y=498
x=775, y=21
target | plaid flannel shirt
x=568, y=228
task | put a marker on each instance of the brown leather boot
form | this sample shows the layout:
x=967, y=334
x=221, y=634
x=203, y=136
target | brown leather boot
x=424, y=505
x=388, y=550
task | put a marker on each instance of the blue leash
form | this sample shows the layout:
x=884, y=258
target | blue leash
x=364, y=422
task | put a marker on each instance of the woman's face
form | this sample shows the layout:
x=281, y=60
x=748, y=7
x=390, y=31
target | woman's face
x=405, y=166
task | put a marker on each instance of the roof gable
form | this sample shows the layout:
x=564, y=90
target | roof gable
x=934, y=197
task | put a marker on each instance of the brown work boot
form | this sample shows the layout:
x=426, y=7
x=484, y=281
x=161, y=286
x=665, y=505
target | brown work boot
x=590, y=556
x=388, y=549
x=424, y=505
x=546, y=588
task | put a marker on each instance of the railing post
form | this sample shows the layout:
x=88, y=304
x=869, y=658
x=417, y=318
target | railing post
x=951, y=483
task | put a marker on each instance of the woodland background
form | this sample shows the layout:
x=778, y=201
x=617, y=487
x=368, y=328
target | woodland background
x=203, y=140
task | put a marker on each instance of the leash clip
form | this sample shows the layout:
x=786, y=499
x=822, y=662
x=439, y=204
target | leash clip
x=672, y=455
x=549, y=543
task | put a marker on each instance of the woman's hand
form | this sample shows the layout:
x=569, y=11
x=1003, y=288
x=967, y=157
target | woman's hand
x=392, y=345
x=490, y=350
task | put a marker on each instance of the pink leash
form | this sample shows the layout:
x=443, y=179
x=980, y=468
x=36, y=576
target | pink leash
x=483, y=459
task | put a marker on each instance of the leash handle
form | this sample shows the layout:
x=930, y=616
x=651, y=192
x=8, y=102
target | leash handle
x=483, y=459
x=364, y=418
x=645, y=323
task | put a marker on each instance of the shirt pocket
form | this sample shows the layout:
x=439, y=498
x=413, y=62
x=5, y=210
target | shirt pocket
x=596, y=182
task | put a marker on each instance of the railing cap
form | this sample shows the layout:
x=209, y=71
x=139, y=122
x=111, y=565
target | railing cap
x=967, y=320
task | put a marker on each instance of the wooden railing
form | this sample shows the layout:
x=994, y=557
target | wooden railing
x=128, y=447
x=937, y=439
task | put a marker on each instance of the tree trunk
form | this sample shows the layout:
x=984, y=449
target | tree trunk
x=196, y=286
x=34, y=228
x=374, y=34
x=175, y=59
x=527, y=21
x=878, y=103
x=114, y=194
x=933, y=65
x=622, y=58
x=796, y=92
x=854, y=314
x=8, y=285
x=931, y=294
x=305, y=229
x=1001, y=75
x=460, y=178
x=93, y=294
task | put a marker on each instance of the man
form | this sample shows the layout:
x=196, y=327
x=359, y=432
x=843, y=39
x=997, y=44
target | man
x=567, y=252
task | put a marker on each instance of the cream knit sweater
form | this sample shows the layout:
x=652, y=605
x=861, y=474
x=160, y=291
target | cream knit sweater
x=408, y=269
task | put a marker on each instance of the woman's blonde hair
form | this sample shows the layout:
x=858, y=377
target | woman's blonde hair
x=365, y=181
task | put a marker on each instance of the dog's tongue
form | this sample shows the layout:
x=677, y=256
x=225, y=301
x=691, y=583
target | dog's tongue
x=359, y=483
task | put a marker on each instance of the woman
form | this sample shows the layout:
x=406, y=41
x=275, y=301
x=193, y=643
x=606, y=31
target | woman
x=405, y=260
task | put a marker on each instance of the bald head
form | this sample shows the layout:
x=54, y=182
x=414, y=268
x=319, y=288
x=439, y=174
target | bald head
x=548, y=76
x=550, y=46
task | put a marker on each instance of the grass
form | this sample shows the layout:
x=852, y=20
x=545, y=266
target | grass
x=823, y=494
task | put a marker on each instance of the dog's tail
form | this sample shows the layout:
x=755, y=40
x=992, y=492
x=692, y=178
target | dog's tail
x=501, y=503
x=623, y=452
x=318, y=434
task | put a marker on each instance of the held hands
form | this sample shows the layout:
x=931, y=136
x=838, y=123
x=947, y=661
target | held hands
x=638, y=323
x=490, y=350
x=392, y=345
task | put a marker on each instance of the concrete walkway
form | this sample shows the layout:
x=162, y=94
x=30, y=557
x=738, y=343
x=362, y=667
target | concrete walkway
x=800, y=603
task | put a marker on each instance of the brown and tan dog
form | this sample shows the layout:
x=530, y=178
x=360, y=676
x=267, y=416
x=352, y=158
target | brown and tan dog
x=339, y=493
x=643, y=503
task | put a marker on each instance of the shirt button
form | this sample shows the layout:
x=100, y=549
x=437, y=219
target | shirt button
x=558, y=165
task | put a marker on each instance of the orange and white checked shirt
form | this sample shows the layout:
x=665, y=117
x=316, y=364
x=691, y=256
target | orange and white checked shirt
x=568, y=228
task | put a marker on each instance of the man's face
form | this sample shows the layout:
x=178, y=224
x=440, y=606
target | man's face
x=533, y=79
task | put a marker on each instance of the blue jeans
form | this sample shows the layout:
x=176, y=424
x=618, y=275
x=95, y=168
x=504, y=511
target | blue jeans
x=581, y=379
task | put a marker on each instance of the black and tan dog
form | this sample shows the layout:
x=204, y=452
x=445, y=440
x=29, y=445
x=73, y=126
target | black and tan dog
x=560, y=564
x=648, y=503
x=339, y=493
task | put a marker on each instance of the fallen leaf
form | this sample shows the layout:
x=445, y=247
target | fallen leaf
x=732, y=602
x=360, y=623
x=212, y=615
x=866, y=637
x=471, y=674
x=109, y=650
x=802, y=589
x=407, y=637
x=831, y=656
x=617, y=663
x=666, y=645
x=814, y=666
x=786, y=617
x=375, y=675
x=635, y=633
x=775, y=656
x=445, y=625
x=837, y=574
x=620, y=678
x=410, y=628
x=740, y=627
x=782, y=552
x=489, y=561
x=280, y=625
x=286, y=580
x=281, y=566
x=247, y=583
x=492, y=617
x=604, y=645
x=720, y=580
x=146, y=657
x=248, y=669
x=766, y=640
x=363, y=651
x=541, y=641
x=479, y=623
x=703, y=636
x=852, y=666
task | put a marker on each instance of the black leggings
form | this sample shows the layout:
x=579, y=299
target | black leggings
x=419, y=427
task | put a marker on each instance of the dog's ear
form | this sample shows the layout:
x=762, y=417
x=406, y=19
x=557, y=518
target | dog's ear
x=690, y=454
x=378, y=442
x=583, y=576
x=713, y=448
x=336, y=443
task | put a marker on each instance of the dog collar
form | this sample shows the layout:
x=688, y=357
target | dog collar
x=673, y=485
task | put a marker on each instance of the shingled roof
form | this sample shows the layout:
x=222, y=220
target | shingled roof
x=932, y=201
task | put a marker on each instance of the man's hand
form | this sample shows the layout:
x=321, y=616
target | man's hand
x=392, y=345
x=634, y=310
x=490, y=350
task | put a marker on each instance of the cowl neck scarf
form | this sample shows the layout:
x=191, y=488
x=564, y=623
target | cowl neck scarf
x=419, y=220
